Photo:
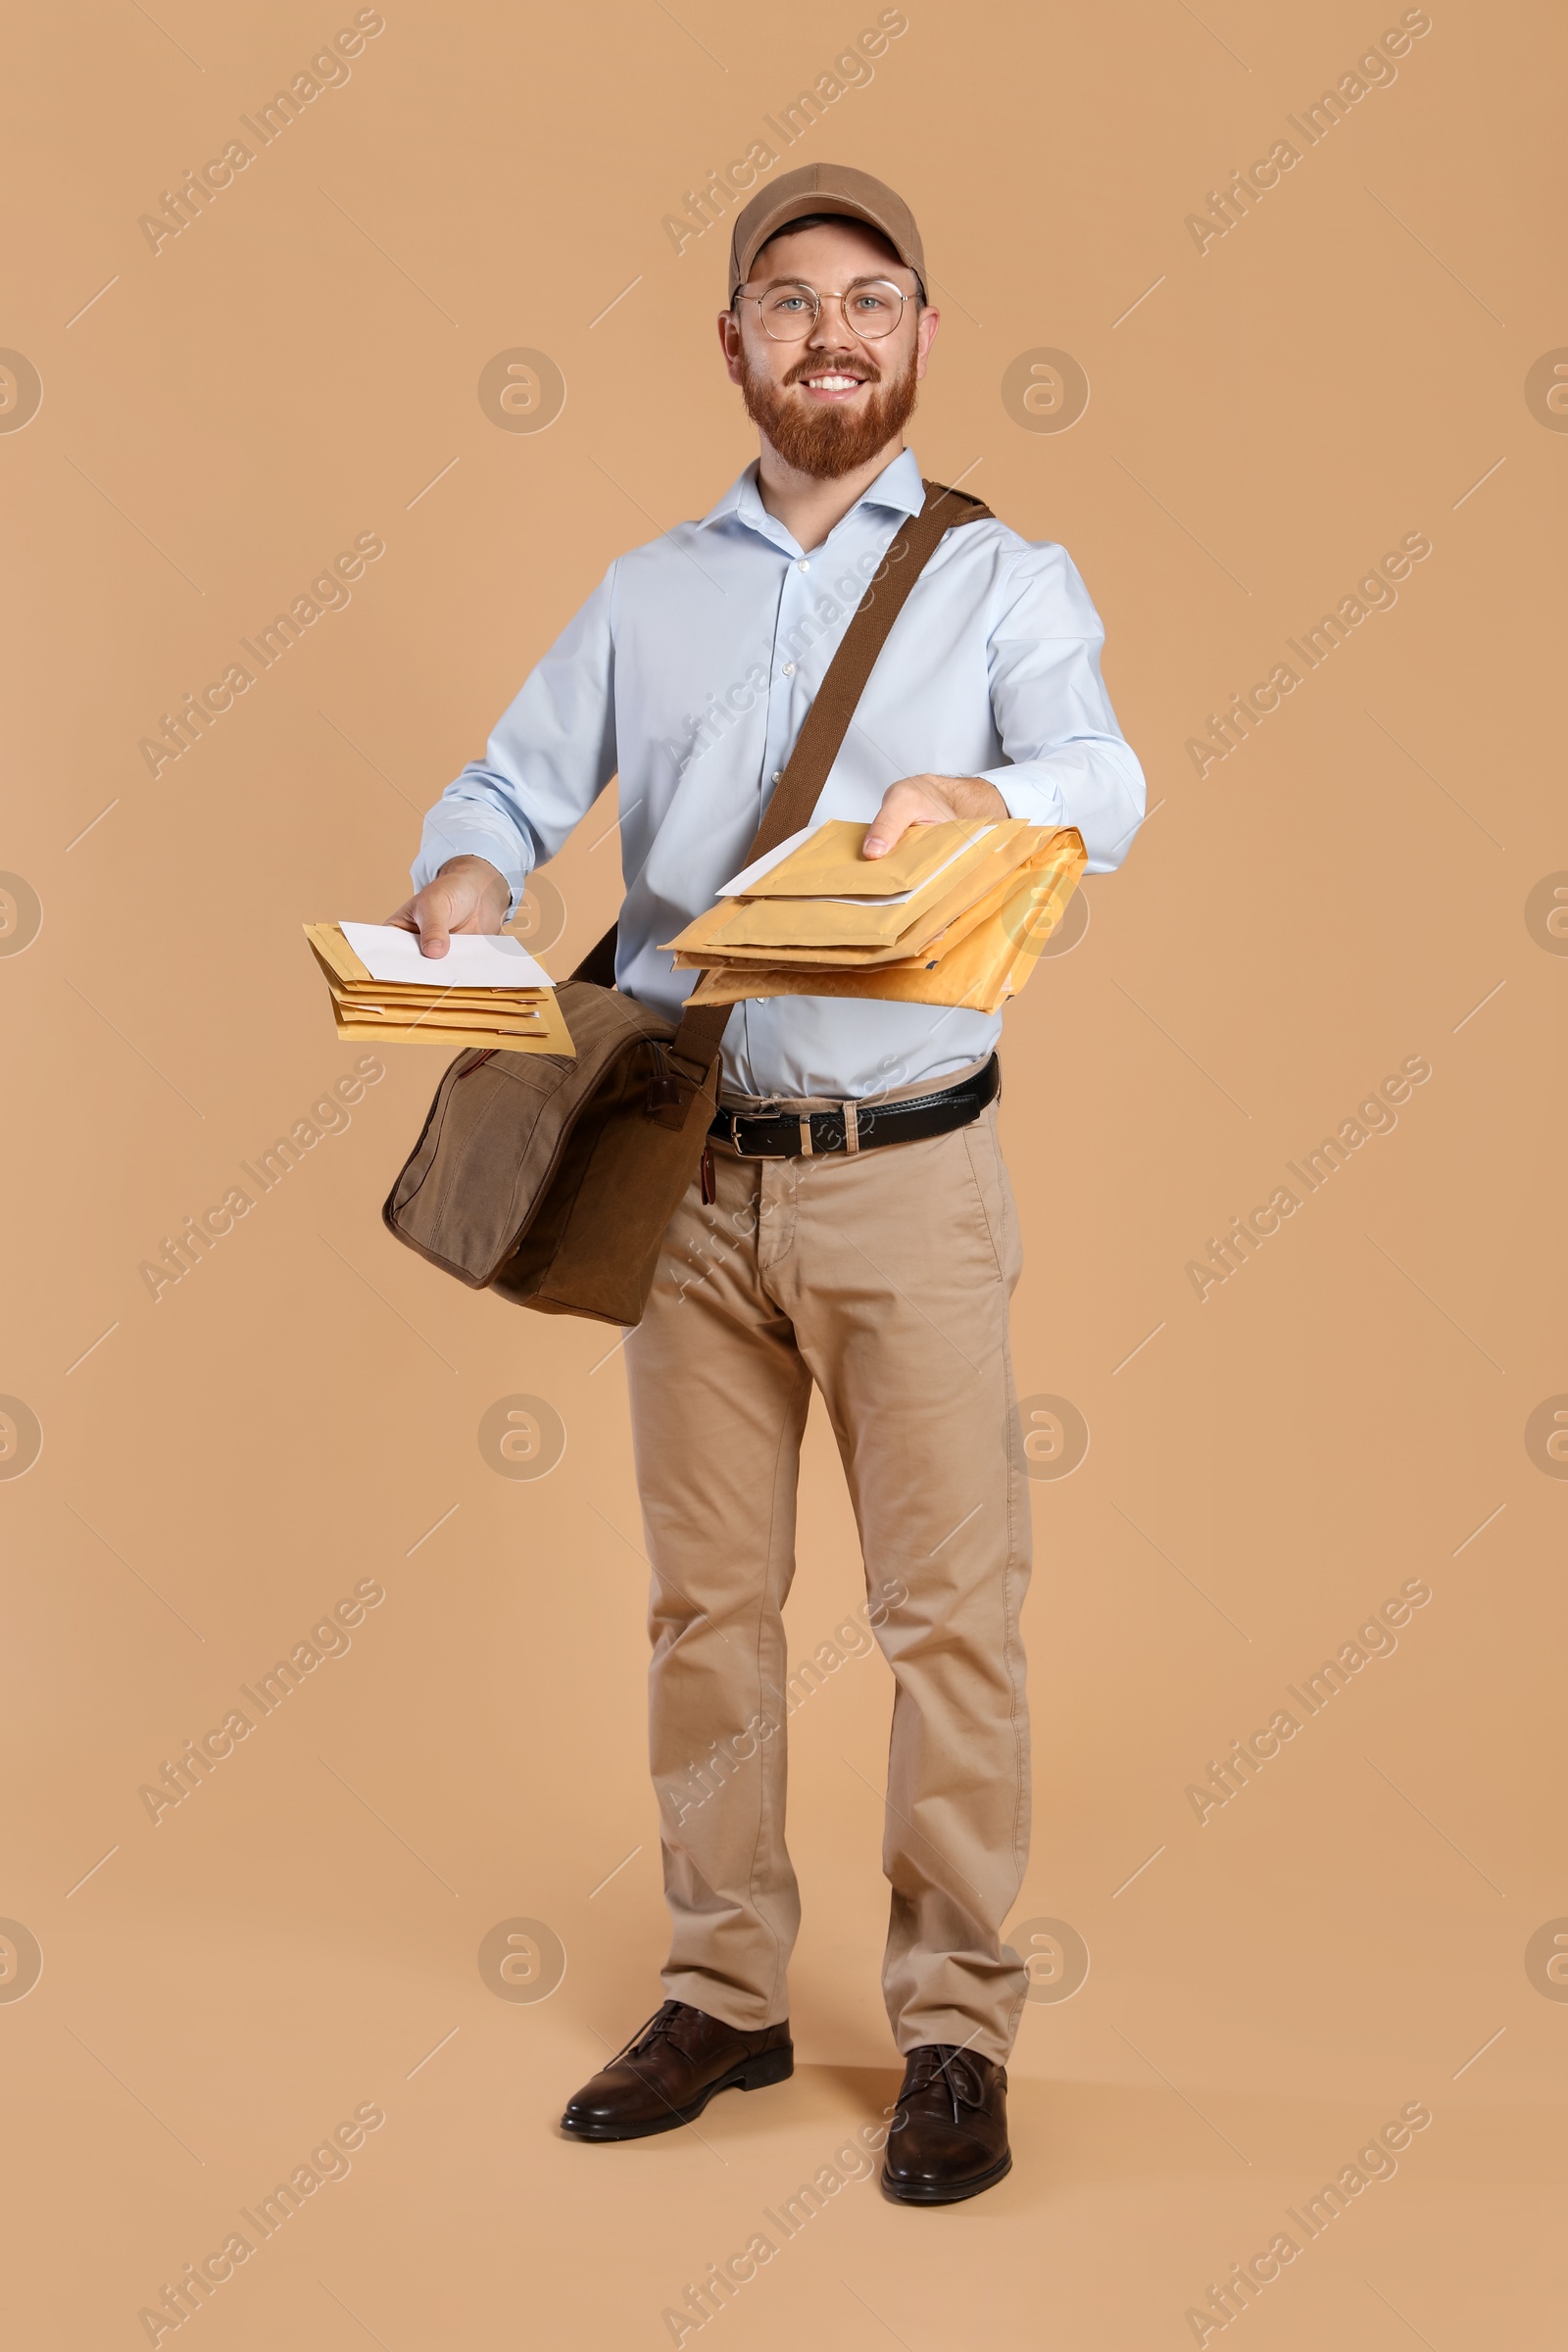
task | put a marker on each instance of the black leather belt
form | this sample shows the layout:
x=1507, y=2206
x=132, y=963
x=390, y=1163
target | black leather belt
x=856, y=1126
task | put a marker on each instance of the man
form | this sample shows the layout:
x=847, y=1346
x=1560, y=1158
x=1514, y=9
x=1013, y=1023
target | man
x=883, y=1275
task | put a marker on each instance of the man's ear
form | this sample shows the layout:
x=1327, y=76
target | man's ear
x=925, y=334
x=729, y=338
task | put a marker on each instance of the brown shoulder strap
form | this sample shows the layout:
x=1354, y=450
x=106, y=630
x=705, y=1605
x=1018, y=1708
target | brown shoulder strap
x=823, y=729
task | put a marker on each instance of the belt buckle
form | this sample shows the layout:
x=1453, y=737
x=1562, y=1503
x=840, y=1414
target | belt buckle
x=735, y=1117
x=840, y=1136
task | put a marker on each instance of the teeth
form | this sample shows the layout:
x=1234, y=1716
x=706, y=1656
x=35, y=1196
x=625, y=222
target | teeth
x=835, y=383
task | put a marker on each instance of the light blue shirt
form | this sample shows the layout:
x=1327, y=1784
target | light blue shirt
x=690, y=670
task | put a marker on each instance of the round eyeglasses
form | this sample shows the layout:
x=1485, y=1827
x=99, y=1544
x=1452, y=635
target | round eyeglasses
x=872, y=307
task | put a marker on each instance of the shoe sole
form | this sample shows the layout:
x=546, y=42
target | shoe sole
x=752, y=2073
x=918, y=2194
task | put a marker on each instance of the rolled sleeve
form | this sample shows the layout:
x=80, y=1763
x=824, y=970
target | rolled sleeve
x=550, y=756
x=1068, y=763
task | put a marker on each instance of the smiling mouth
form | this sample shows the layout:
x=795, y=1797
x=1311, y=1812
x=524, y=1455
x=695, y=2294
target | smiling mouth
x=833, y=383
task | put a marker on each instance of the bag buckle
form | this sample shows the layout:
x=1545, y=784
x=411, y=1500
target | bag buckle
x=669, y=1099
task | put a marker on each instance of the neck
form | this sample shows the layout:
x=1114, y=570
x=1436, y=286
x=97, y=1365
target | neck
x=803, y=503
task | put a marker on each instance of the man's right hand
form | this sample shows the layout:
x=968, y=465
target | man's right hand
x=467, y=895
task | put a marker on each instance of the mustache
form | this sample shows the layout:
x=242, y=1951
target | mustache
x=867, y=369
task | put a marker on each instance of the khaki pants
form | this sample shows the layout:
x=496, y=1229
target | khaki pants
x=885, y=1278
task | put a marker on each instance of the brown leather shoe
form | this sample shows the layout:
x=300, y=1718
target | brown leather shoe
x=948, y=2134
x=671, y=2068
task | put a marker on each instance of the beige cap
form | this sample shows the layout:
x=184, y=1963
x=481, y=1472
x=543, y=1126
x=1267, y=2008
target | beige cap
x=822, y=188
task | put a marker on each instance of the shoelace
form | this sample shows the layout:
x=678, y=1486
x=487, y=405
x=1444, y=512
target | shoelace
x=660, y=2027
x=945, y=2061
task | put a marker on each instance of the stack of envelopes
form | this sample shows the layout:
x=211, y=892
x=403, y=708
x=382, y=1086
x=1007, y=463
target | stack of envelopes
x=955, y=913
x=483, y=992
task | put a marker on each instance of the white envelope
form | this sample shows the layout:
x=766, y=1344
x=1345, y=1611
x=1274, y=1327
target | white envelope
x=471, y=961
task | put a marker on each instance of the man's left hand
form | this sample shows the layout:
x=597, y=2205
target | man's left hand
x=930, y=801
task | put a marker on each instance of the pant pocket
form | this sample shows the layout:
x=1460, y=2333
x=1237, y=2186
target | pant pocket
x=984, y=1171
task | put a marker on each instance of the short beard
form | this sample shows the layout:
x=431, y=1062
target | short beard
x=827, y=442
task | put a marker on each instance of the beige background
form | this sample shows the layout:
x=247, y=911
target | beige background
x=299, y=367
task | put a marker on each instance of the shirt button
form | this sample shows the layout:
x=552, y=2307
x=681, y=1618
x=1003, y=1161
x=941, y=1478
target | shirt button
x=789, y=669
x=801, y=565
x=777, y=774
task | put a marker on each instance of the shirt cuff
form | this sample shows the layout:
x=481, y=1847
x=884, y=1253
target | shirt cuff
x=457, y=840
x=1030, y=798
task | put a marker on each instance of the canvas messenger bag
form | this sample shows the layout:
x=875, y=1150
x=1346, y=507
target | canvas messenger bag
x=551, y=1178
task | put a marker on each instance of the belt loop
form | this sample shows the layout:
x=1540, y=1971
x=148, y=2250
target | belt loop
x=805, y=1134
x=851, y=1128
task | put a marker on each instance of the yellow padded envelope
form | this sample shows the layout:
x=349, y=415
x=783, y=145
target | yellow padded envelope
x=834, y=923
x=553, y=1036
x=980, y=889
x=829, y=862
x=986, y=960
x=424, y=1013
x=857, y=929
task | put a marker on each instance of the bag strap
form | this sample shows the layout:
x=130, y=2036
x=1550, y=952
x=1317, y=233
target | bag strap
x=697, y=1041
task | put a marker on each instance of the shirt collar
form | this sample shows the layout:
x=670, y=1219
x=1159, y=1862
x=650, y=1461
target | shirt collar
x=898, y=487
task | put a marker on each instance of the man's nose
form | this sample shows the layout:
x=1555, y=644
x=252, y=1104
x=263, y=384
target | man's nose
x=830, y=333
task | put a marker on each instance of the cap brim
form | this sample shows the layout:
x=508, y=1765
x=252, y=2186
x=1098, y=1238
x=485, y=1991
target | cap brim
x=801, y=208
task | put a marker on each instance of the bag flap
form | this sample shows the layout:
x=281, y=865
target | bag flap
x=497, y=1128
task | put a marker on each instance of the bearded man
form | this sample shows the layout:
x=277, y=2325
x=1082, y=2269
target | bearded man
x=881, y=1271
